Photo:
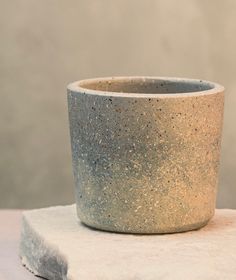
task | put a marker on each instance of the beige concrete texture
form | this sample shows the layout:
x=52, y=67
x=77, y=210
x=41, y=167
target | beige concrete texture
x=44, y=45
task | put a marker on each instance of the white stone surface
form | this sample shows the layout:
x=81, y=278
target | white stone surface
x=56, y=246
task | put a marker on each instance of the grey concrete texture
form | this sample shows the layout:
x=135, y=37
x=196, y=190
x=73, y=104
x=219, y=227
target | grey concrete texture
x=47, y=44
x=145, y=152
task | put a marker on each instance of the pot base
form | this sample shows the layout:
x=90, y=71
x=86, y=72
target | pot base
x=165, y=230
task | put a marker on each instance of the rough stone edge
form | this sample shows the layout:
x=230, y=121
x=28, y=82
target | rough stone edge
x=50, y=263
x=35, y=240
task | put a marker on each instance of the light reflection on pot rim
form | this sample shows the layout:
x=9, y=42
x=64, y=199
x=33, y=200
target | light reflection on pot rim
x=145, y=87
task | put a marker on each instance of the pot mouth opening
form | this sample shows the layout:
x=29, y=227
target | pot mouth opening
x=144, y=86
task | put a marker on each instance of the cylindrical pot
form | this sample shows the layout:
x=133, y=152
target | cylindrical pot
x=145, y=152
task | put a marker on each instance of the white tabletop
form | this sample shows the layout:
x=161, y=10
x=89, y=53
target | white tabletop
x=10, y=264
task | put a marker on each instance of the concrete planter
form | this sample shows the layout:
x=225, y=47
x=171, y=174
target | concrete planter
x=145, y=152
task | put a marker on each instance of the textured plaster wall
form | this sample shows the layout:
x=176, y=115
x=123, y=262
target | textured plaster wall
x=46, y=44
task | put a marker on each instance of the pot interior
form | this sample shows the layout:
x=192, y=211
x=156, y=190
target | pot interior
x=146, y=85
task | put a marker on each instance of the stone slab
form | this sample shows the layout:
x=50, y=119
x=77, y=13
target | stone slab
x=55, y=245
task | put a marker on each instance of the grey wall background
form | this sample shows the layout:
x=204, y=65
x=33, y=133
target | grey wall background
x=46, y=44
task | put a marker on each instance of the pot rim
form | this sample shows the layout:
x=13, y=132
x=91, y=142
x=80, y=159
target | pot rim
x=80, y=87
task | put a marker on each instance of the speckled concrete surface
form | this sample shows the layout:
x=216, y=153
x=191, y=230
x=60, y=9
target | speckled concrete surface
x=145, y=152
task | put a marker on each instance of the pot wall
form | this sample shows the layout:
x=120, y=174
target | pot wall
x=145, y=164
